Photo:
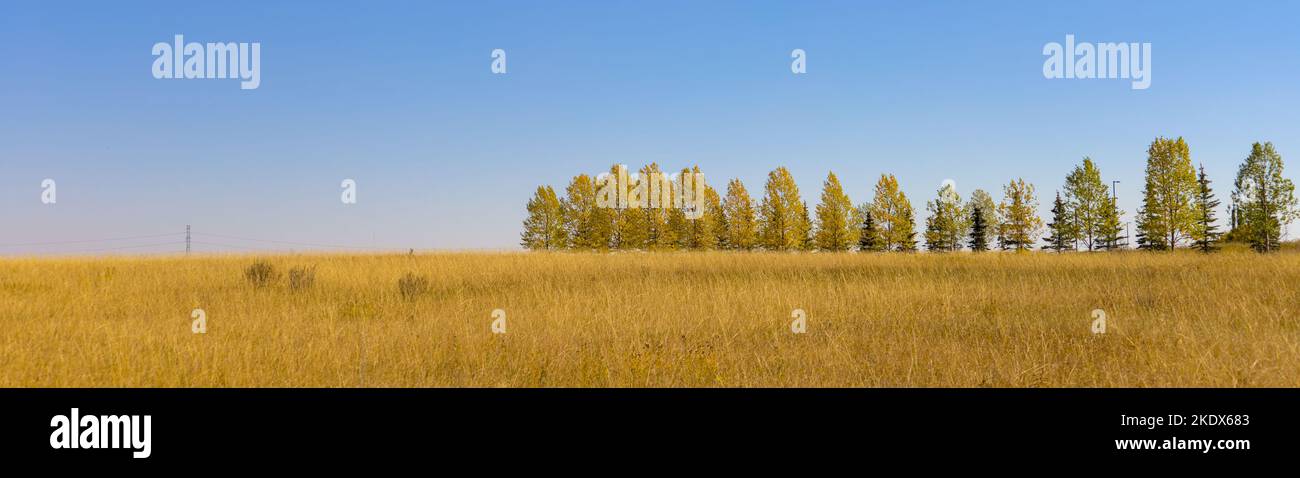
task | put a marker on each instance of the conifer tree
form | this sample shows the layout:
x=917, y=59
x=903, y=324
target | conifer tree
x=1058, y=229
x=1109, y=233
x=981, y=200
x=868, y=234
x=1205, y=236
x=978, y=241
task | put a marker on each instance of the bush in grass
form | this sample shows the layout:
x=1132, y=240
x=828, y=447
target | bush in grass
x=302, y=278
x=411, y=285
x=261, y=274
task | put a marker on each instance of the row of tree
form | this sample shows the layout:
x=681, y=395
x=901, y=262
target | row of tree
x=1178, y=210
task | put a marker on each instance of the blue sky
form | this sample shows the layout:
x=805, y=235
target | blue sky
x=399, y=96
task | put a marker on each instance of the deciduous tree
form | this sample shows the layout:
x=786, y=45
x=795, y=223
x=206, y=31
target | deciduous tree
x=836, y=230
x=948, y=221
x=1168, y=215
x=892, y=215
x=544, y=226
x=1085, y=198
x=738, y=215
x=781, y=220
x=1019, y=212
x=1264, y=200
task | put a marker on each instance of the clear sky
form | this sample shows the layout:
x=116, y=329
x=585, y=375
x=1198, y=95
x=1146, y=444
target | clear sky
x=399, y=96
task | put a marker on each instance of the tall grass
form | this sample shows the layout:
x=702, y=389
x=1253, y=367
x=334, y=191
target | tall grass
x=670, y=319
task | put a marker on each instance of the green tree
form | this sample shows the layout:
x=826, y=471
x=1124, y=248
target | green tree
x=1086, y=198
x=738, y=215
x=1059, y=229
x=981, y=200
x=781, y=213
x=1168, y=215
x=892, y=215
x=836, y=230
x=979, y=229
x=1205, y=236
x=868, y=235
x=1264, y=200
x=544, y=226
x=1019, y=212
x=1109, y=234
x=948, y=221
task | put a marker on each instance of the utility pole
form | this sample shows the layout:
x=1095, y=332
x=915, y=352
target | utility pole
x=187, y=239
x=1114, y=195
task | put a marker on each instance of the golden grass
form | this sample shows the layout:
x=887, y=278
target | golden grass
x=658, y=320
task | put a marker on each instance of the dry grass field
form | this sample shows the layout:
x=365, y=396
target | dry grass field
x=655, y=320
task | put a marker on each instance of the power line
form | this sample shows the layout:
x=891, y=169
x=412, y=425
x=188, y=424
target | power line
x=271, y=241
x=87, y=241
x=189, y=239
x=136, y=246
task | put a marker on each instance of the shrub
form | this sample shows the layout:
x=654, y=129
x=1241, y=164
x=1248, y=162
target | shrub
x=411, y=285
x=302, y=278
x=261, y=274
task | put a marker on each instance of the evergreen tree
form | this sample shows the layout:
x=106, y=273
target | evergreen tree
x=1205, y=235
x=1167, y=216
x=1109, y=235
x=1019, y=212
x=980, y=199
x=1059, y=229
x=868, y=235
x=544, y=226
x=836, y=230
x=1264, y=199
x=978, y=230
x=738, y=215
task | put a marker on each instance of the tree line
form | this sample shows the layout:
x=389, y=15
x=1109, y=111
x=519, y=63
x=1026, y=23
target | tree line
x=1177, y=211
